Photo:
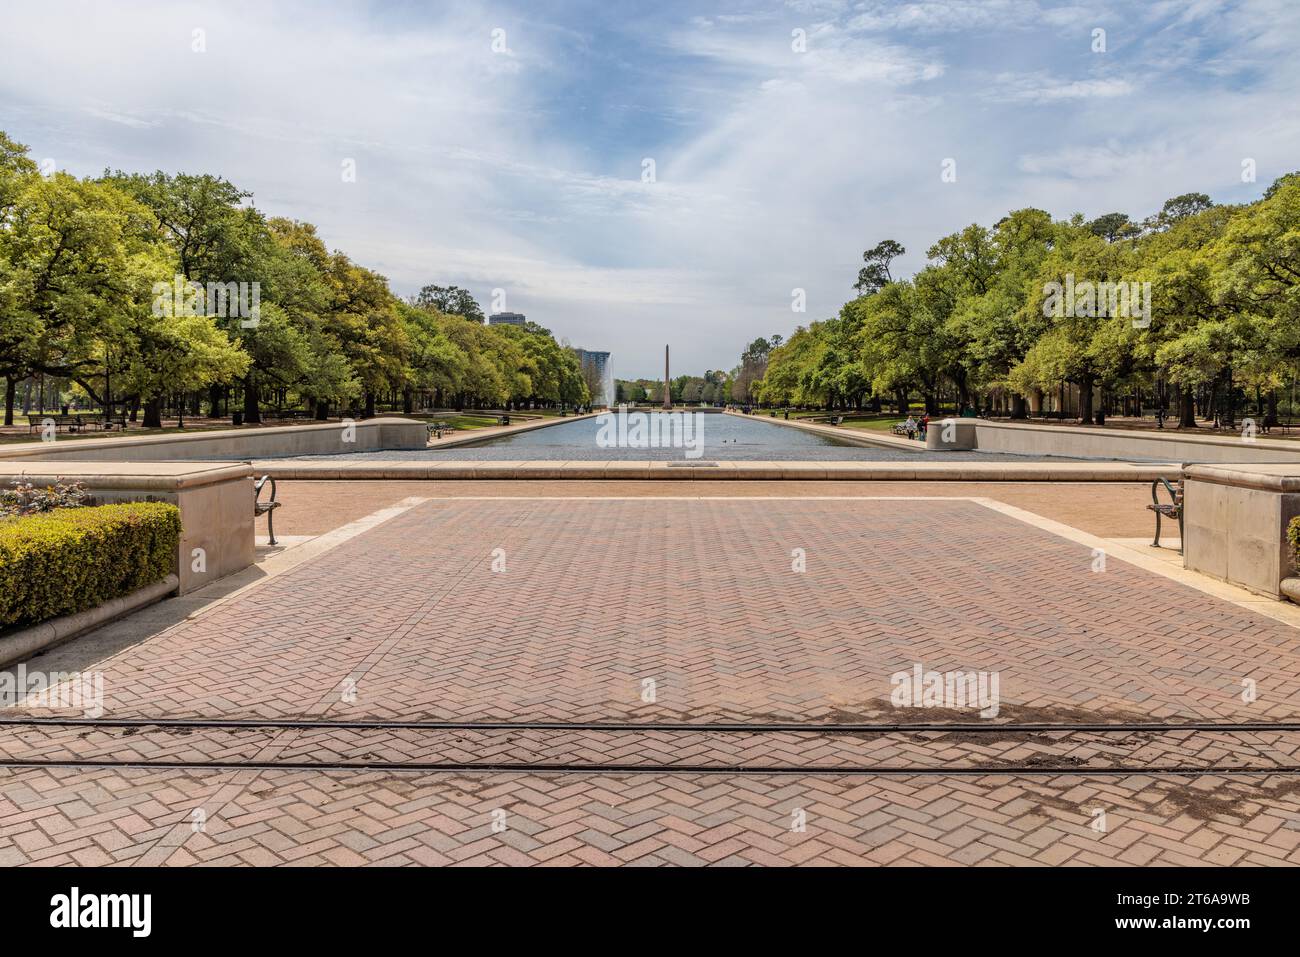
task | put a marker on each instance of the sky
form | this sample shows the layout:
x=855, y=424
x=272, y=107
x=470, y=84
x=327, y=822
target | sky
x=631, y=175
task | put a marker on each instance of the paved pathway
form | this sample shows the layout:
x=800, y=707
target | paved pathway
x=681, y=611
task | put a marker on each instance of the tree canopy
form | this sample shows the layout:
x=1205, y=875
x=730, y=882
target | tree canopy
x=1191, y=306
x=137, y=288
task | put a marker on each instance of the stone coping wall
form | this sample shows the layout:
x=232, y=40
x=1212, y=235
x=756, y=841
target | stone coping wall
x=370, y=435
x=1124, y=444
x=1235, y=523
x=1071, y=442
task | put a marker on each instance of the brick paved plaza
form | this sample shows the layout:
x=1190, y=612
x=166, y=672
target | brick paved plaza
x=546, y=609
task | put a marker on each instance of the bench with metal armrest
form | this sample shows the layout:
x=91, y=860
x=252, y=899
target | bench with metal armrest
x=1171, y=509
x=73, y=422
x=266, y=508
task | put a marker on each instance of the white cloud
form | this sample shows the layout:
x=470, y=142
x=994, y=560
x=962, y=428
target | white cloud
x=1043, y=88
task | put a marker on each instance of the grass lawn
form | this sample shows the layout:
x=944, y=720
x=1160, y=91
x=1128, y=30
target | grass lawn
x=863, y=420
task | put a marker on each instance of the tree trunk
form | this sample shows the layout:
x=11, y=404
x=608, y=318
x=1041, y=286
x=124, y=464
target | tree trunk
x=322, y=410
x=252, y=410
x=1186, y=410
x=153, y=413
x=370, y=405
x=10, y=388
x=1085, y=401
x=214, y=401
x=1019, y=407
x=408, y=401
x=1270, y=417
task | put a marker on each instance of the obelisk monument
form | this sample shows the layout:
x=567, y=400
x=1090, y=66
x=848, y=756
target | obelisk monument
x=668, y=390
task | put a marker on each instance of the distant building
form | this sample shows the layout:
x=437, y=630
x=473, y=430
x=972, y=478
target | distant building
x=506, y=319
x=595, y=370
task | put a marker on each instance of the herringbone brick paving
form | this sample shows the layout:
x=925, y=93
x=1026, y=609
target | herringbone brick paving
x=54, y=816
x=411, y=621
x=1067, y=750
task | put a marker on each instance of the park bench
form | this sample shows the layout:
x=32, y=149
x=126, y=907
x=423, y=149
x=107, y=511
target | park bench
x=834, y=420
x=266, y=508
x=114, y=419
x=290, y=414
x=503, y=420
x=1171, y=509
x=71, y=423
x=437, y=429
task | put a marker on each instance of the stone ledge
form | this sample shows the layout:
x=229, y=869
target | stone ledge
x=1266, y=478
x=20, y=645
x=375, y=470
x=226, y=444
x=156, y=476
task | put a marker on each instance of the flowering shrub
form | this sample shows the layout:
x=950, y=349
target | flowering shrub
x=24, y=498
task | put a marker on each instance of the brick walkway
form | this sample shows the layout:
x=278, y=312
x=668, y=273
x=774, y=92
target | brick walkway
x=410, y=621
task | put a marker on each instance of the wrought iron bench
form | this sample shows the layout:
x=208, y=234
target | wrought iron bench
x=266, y=508
x=73, y=423
x=1171, y=509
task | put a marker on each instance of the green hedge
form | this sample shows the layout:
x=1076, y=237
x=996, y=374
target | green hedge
x=71, y=559
x=1293, y=536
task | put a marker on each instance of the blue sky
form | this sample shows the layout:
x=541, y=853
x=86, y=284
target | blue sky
x=521, y=169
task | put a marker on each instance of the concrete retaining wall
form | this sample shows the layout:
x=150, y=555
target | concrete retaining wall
x=372, y=435
x=1028, y=438
x=1124, y=445
x=1235, y=523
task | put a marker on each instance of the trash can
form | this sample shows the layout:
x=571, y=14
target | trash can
x=236, y=418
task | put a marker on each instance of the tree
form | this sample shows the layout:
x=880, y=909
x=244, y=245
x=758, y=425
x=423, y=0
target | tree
x=362, y=316
x=1188, y=340
x=875, y=274
x=1113, y=227
x=1178, y=207
x=16, y=329
x=451, y=300
x=78, y=279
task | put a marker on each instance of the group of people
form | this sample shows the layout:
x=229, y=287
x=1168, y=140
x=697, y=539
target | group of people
x=917, y=428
